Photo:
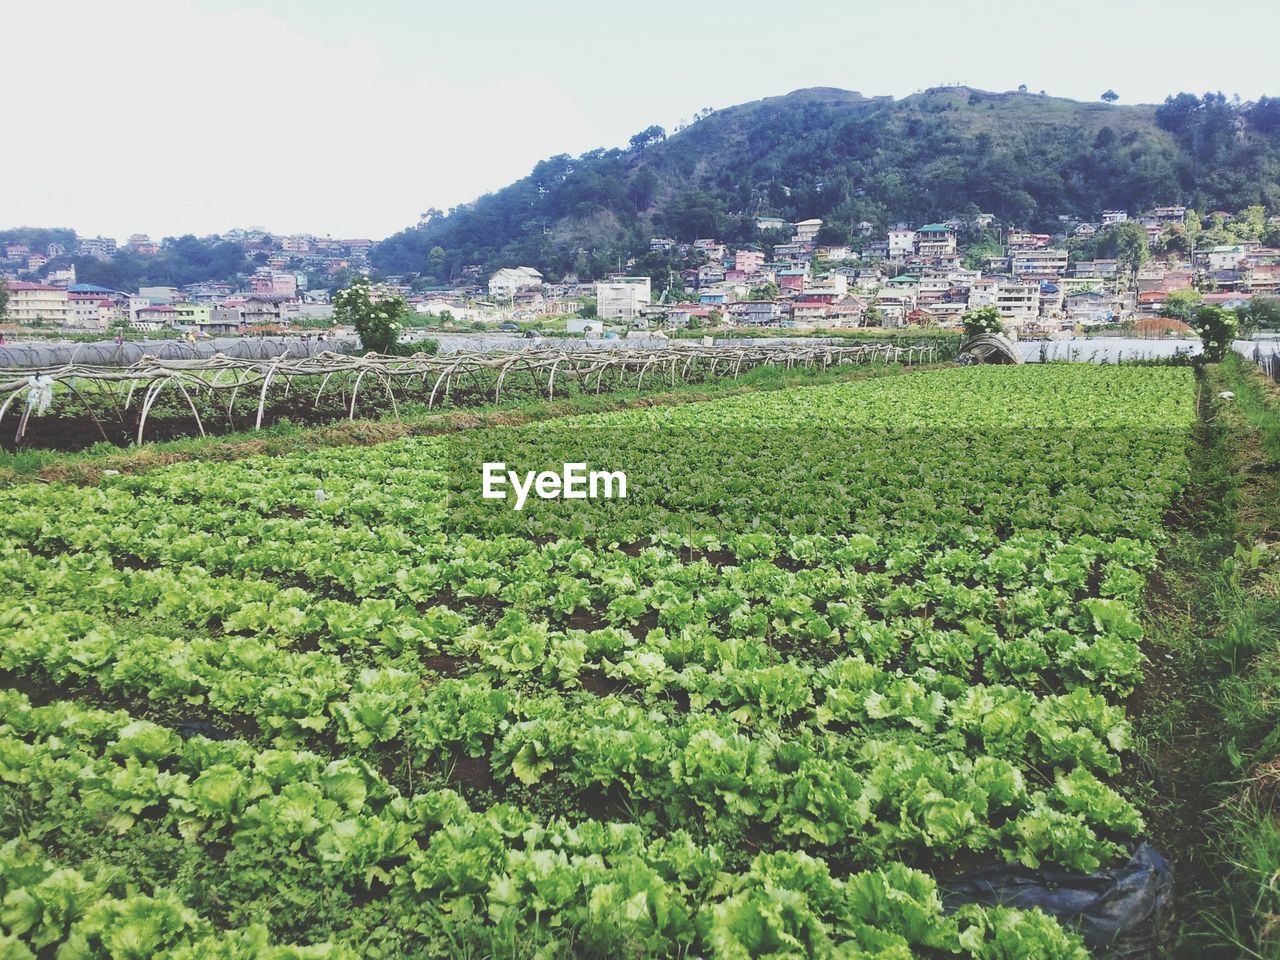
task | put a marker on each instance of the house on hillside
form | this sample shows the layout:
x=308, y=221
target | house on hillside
x=508, y=281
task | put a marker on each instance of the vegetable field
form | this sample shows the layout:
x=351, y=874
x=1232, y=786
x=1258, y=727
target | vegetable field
x=836, y=645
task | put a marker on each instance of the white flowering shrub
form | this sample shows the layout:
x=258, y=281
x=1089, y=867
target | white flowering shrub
x=982, y=320
x=1217, y=328
x=377, y=318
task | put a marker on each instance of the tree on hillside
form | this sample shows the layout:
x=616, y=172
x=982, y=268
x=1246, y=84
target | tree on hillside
x=4, y=300
x=435, y=262
x=1261, y=313
x=1131, y=248
x=1111, y=96
x=647, y=136
x=1181, y=305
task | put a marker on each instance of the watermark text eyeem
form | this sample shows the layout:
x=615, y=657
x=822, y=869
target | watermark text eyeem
x=573, y=482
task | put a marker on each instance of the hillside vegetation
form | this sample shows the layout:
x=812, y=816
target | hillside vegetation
x=835, y=154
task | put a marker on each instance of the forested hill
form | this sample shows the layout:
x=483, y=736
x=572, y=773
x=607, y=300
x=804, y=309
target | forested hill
x=834, y=154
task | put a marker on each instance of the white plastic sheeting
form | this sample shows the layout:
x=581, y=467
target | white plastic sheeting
x=1105, y=349
x=48, y=355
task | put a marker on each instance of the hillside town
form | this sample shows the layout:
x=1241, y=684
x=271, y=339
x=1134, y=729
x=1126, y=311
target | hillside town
x=281, y=291
x=910, y=275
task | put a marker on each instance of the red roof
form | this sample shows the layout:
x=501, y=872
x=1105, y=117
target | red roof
x=157, y=309
x=27, y=285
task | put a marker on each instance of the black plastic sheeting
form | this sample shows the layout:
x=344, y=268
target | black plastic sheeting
x=1123, y=913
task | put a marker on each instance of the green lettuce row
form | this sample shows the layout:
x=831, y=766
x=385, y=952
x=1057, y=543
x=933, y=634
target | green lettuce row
x=291, y=694
x=864, y=799
x=499, y=869
x=46, y=907
x=1089, y=642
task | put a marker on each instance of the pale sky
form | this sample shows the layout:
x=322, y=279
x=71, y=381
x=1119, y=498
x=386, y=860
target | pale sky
x=349, y=118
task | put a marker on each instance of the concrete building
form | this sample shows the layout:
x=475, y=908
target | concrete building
x=192, y=315
x=806, y=231
x=620, y=298
x=935, y=240
x=154, y=317
x=31, y=302
x=1042, y=262
x=90, y=311
x=508, y=281
x=1097, y=269
x=902, y=243
x=1018, y=303
x=748, y=261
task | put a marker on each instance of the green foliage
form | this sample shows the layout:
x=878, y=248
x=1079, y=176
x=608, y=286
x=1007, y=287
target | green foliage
x=1181, y=304
x=1217, y=328
x=982, y=320
x=1261, y=313
x=377, y=318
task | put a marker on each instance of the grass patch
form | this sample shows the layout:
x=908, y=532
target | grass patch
x=1209, y=723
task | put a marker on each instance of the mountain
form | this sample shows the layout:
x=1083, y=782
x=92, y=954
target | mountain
x=846, y=158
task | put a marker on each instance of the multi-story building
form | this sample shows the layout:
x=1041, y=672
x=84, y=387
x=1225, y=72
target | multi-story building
x=806, y=231
x=195, y=315
x=1224, y=257
x=755, y=313
x=620, y=298
x=902, y=243
x=713, y=249
x=1041, y=262
x=90, y=311
x=1114, y=216
x=982, y=292
x=508, y=281
x=1018, y=303
x=101, y=248
x=1024, y=240
x=43, y=302
x=748, y=261
x=155, y=316
x=358, y=248
x=1097, y=269
x=935, y=240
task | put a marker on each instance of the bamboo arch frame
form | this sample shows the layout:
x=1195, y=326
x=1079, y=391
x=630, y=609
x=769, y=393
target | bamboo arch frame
x=221, y=378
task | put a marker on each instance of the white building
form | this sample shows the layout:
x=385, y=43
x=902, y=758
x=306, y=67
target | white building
x=508, y=281
x=1018, y=303
x=1046, y=261
x=982, y=293
x=806, y=231
x=620, y=298
x=902, y=243
x=31, y=302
